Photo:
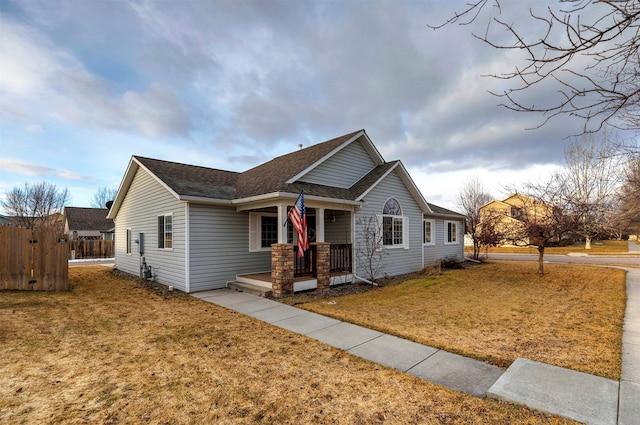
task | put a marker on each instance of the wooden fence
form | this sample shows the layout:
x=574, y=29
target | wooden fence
x=33, y=260
x=81, y=249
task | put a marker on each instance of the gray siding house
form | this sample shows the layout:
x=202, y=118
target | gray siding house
x=197, y=228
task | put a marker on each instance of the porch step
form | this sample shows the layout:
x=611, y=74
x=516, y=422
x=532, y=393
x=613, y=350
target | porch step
x=249, y=288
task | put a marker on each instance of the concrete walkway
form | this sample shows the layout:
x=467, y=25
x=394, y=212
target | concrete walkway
x=563, y=392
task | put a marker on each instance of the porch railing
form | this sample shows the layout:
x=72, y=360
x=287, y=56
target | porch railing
x=306, y=265
x=340, y=255
x=340, y=258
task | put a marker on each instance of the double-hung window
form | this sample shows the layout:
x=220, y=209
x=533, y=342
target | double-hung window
x=452, y=232
x=428, y=229
x=395, y=227
x=165, y=231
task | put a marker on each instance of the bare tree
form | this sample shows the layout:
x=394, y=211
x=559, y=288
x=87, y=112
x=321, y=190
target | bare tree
x=628, y=217
x=590, y=180
x=34, y=206
x=541, y=220
x=586, y=49
x=490, y=232
x=368, y=250
x=471, y=197
x=102, y=196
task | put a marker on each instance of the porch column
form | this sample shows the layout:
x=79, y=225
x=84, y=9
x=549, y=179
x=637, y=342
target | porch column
x=323, y=265
x=282, y=230
x=281, y=269
x=319, y=224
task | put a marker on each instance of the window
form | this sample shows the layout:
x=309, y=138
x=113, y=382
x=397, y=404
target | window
x=128, y=241
x=263, y=231
x=269, y=231
x=428, y=227
x=452, y=232
x=394, y=226
x=165, y=231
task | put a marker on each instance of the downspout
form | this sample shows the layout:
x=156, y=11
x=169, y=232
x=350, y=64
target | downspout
x=187, y=248
x=365, y=280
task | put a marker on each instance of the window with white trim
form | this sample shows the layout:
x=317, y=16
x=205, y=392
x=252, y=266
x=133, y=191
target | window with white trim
x=165, y=231
x=395, y=227
x=128, y=241
x=452, y=232
x=263, y=231
x=428, y=232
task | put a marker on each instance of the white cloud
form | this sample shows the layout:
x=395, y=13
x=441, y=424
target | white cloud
x=40, y=80
x=31, y=169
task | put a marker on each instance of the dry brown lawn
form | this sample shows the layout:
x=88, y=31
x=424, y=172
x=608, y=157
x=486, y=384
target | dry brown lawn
x=498, y=311
x=111, y=351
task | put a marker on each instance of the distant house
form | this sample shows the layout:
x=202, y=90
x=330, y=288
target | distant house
x=52, y=222
x=87, y=223
x=510, y=215
x=198, y=228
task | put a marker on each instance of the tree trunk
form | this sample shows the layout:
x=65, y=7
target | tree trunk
x=476, y=249
x=587, y=242
x=541, y=260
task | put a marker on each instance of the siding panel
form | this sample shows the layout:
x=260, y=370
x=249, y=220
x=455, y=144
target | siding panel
x=219, y=247
x=343, y=169
x=145, y=200
x=396, y=260
x=433, y=253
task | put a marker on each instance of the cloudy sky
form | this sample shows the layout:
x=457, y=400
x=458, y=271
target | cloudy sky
x=230, y=84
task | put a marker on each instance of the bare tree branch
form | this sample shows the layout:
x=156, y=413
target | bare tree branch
x=589, y=49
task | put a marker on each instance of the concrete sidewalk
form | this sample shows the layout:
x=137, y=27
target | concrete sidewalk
x=562, y=392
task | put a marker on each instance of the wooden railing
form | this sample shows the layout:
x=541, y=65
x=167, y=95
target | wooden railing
x=305, y=265
x=341, y=258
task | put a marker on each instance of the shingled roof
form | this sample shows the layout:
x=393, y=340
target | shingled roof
x=79, y=219
x=272, y=176
x=193, y=180
x=279, y=175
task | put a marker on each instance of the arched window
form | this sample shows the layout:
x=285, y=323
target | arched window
x=392, y=207
x=394, y=225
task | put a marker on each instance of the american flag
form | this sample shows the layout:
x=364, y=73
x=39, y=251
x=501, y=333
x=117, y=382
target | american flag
x=298, y=216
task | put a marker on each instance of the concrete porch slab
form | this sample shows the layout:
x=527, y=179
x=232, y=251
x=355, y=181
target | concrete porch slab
x=393, y=352
x=457, y=372
x=563, y=392
x=344, y=335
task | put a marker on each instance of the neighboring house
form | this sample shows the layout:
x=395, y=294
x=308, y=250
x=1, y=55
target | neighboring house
x=87, y=224
x=509, y=215
x=5, y=220
x=197, y=228
x=52, y=222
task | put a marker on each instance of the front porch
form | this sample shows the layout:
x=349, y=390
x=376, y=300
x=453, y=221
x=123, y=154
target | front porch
x=314, y=270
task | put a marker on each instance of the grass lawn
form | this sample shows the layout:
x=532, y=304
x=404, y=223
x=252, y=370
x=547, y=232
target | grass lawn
x=498, y=311
x=597, y=247
x=112, y=351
